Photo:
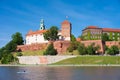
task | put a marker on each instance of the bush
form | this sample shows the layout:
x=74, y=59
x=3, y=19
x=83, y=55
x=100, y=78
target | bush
x=73, y=46
x=19, y=54
x=50, y=50
x=82, y=49
x=113, y=50
x=7, y=58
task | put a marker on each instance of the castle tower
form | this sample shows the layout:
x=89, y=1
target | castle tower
x=42, y=26
x=66, y=30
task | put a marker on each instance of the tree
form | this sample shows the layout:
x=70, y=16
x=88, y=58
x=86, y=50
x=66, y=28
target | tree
x=82, y=49
x=51, y=34
x=11, y=46
x=73, y=46
x=105, y=37
x=17, y=38
x=50, y=50
x=113, y=50
x=7, y=58
x=91, y=49
x=73, y=38
x=81, y=37
x=6, y=55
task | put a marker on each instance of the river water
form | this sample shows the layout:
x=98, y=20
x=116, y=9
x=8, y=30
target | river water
x=59, y=73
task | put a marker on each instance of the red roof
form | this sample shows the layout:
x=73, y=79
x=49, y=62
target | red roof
x=110, y=30
x=66, y=22
x=92, y=27
x=35, y=32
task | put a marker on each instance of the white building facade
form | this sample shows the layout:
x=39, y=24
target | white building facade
x=33, y=37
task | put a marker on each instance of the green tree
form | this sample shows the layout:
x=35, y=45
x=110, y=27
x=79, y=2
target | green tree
x=88, y=35
x=73, y=38
x=81, y=37
x=92, y=49
x=116, y=36
x=113, y=50
x=105, y=37
x=11, y=46
x=50, y=50
x=6, y=55
x=17, y=38
x=82, y=49
x=73, y=46
x=51, y=34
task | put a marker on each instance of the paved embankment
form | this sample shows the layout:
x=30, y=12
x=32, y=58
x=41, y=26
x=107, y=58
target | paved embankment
x=41, y=59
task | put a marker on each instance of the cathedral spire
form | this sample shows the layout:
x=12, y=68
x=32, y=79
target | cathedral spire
x=42, y=26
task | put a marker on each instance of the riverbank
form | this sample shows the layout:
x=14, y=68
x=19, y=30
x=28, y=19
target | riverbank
x=82, y=65
x=91, y=60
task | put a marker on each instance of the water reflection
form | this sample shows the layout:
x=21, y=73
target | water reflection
x=60, y=73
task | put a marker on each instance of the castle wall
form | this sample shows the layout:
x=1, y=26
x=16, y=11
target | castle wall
x=111, y=43
x=97, y=42
x=60, y=46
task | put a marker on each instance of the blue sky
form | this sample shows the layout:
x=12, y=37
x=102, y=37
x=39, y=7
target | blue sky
x=24, y=15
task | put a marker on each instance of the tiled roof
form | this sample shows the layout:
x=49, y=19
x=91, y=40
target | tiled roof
x=66, y=22
x=92, y=27
x=35, y=32
x=110, y=30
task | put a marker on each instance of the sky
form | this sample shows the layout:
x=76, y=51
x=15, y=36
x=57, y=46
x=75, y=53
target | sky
x=24, y=15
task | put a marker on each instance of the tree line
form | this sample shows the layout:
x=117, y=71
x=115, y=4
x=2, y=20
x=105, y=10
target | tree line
x=6, y=56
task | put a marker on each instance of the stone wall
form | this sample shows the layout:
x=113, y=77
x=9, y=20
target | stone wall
x=32, y=47
x=100, y=43
x=60, y=46
x=41, y=59
x=111, y=43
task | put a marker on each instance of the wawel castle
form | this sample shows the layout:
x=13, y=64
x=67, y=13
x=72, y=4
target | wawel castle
x=37, y=36
x=91, y=34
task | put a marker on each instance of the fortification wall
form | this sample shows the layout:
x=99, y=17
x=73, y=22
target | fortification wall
x=60, y=46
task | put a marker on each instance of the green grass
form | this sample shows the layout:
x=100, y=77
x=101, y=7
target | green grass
x=32, y=53
x=75, y=52
x=89, y=60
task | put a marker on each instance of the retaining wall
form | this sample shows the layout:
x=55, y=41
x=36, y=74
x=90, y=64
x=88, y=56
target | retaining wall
x=41, y=59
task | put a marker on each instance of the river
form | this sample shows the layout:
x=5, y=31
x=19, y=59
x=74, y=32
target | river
x=59, y=73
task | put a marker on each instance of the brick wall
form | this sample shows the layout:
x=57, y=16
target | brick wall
x=97, y=42
x=111, y=43
x=60, y=46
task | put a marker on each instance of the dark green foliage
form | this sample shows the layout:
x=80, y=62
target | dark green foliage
x=11, y=46
x=105, y=37
x=6, y=55
x=51, y=34
x=91, y=49
x=113, y=50
x=17, y=38
x=50, y=50
x=116, y=36
x=7, y=58
x=19, y=54
x=73, y=38
x=73, y=46
x=81, y=37
x=82, y=49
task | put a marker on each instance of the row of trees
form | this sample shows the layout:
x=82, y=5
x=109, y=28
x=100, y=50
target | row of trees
x=6, y=55
x=113, y=50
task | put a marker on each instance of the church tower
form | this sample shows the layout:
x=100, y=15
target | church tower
x=42, y=26
x=66, y=30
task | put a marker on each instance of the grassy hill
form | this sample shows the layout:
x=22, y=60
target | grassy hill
x=89, y=60
x=32, y=53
